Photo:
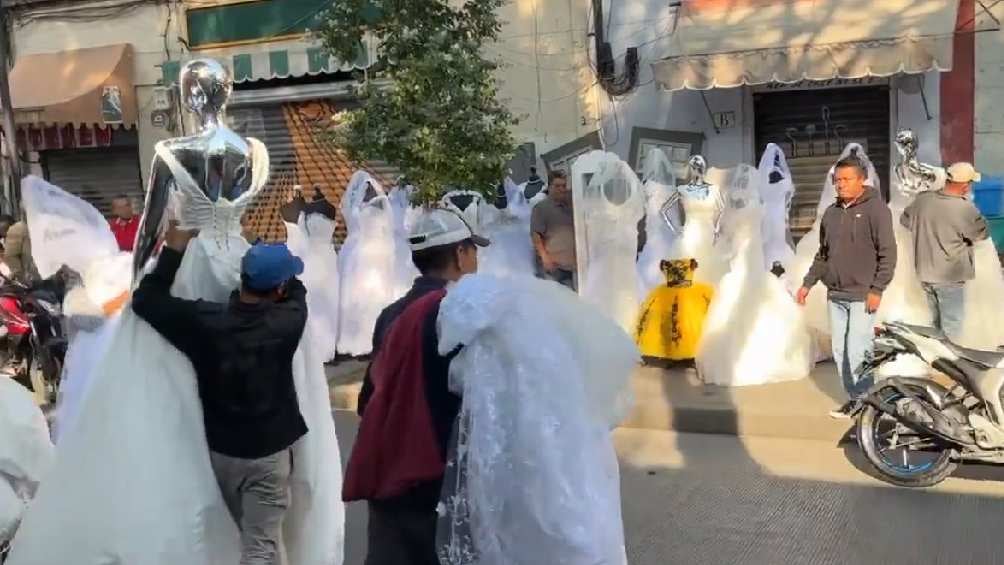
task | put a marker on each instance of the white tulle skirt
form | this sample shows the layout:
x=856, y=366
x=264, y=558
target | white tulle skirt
x=755, y=333
x=87, y=348
x=135, y=466
x=511, y=251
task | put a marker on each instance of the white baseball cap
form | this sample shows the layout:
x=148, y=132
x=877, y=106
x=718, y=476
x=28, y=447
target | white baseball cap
x=963, y=172
x=437, y=226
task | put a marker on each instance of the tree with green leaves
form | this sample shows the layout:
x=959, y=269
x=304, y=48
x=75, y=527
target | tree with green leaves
x=435, y=113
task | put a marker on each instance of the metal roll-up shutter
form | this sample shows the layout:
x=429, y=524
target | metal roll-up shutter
x=97, y=175
x=812, y=127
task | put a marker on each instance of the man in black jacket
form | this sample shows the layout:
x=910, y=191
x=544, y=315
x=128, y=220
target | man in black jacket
x=856, y=261
x=242, y=353
x=407, y=408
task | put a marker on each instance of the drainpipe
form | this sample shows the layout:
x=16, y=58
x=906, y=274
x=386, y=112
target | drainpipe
x=12, y=165
x=606, y=65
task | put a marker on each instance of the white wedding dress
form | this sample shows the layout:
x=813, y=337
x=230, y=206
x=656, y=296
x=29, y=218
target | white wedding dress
x=533, y=477
x=26, y=453
x=701, y=209
x=776, y=198
x=754, y=333
x=70, y=231
x=312, y=239
x=660, y=184
x=511, y=252
x=370, y=264
x=608, y=208
x=404, y=216
x=133, y=482
x=816, y=310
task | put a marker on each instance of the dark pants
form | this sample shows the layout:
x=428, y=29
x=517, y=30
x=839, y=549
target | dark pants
x=257, y=493
x=401, y=536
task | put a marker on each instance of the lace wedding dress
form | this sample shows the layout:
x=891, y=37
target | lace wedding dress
x=701, y=209
x=608, y=208
x=371, y=262
x=816, y=311
x=754, y=333
x=511, y=252
x=70, y=231
x=312, y=239
x=532, y=477
x=776, y=192
x=134, y=471
x=660, y=184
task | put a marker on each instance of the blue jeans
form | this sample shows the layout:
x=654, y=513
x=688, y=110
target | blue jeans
x=947, y=302
x=853, y=332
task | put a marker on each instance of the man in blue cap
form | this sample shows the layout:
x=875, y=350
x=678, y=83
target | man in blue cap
x=242, y=353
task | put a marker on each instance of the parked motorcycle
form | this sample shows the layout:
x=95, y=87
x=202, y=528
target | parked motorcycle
x=32, y=334
x=916, y=431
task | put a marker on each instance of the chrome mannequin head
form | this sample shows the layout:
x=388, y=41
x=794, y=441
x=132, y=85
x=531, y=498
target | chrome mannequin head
x=698, y=168
x=906, y=143
x=205, y=85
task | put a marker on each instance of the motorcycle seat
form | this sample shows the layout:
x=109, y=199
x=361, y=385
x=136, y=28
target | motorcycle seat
x=988, y=359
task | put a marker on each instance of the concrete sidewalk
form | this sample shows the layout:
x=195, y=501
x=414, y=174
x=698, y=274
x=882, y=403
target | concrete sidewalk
x=674, y=400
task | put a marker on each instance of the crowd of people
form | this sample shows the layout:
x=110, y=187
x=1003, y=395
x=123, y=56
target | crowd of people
x=197, y=426
x=243, y=466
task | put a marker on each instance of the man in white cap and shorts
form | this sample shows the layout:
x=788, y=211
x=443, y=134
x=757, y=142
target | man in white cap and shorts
x=945, y=226
x=406, y=406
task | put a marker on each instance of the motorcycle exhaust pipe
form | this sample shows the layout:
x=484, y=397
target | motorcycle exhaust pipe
x=938, y=426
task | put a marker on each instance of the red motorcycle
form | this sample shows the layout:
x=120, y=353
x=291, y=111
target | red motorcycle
x=32, y=339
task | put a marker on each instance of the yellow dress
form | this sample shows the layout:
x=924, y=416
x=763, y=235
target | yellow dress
x=672, y=317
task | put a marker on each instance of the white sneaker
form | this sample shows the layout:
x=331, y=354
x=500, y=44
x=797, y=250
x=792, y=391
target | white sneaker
x=842, y=413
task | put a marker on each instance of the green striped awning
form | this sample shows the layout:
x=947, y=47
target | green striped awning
x=275, y=60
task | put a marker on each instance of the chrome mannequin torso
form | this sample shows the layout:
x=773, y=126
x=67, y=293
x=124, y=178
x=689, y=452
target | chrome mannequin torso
x=913, y=176
x=218, y=159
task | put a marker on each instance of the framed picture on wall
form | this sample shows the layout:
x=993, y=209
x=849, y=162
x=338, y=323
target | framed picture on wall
x=678, y=146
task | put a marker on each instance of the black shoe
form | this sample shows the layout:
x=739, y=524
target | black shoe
x=842, y=413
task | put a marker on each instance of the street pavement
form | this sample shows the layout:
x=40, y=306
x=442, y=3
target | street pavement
x=722, y=500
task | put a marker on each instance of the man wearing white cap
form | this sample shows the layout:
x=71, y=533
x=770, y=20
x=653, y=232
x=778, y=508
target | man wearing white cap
x=945, y=226
x=407, y=409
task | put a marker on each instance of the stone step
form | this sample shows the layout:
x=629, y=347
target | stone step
x=674, y=400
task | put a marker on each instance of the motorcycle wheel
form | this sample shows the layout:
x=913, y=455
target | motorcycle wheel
x=895, y=462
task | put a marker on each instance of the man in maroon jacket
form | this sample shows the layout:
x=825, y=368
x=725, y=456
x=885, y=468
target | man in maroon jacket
x=406, y=406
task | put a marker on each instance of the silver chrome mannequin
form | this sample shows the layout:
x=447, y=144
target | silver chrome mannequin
x=696, y=187
x=218, y=159
x=913, y=176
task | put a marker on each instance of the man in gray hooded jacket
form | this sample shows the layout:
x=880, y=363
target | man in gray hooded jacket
x=856, y=261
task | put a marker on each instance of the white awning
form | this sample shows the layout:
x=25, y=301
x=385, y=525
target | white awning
x=794, y=40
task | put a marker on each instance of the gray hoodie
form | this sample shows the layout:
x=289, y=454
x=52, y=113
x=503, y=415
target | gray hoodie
x=857, y=249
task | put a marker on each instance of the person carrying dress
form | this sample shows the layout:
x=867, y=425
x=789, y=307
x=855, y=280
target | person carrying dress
x=945, y=226
x=856, y=262
x=552, y=226
x=399, y=458
x=242, y=353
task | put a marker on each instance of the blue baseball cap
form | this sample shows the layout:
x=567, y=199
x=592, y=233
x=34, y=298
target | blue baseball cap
x=267, y=265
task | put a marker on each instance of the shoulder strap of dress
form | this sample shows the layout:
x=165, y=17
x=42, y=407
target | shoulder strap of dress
x=181, y=175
